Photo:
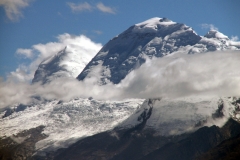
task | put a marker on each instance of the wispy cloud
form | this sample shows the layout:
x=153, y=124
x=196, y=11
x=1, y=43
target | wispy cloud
x=97, y=32
x=80, y=7
x=101, y=7
x=88, y=7
x=13, y=8
x=209, y=26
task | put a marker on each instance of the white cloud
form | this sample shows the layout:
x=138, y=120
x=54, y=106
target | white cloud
x=27, y=53
x=81, y=43
x=101, y=7
x=80, y=7
x=13, y=8
x=234, y=38
x=21, y=74
x=87, y=7
x=209, y=26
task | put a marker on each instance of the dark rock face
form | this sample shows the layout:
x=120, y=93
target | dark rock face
x=219, y=112
x=228, y=149
x=22, y=145
x=129, y=144
x=10, y=111
x=136, y=143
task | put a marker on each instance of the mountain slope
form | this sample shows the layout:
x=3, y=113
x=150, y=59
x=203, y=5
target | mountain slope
x=145, y=144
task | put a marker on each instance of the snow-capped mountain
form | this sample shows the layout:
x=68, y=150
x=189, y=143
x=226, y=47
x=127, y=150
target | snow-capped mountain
x=66, y=63
x=125, y=122
x=156, y=37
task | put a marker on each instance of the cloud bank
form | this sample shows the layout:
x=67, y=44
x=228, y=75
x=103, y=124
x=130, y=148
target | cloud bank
x=13, y=8
x=207, y=74
x=39, y=52
x=200, y=74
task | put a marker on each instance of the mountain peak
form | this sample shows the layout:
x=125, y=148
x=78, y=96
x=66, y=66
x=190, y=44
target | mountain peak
x=216, y=34
x=155, y=21
x=152, y=25
x=155, y=37
x=66, y=63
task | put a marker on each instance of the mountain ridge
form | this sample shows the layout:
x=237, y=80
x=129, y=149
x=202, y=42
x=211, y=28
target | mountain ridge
x=126, y=52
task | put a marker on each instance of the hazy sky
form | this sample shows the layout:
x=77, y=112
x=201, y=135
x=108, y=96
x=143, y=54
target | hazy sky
x=28, y=23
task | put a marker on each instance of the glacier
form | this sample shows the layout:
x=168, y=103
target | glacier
x=67, y=122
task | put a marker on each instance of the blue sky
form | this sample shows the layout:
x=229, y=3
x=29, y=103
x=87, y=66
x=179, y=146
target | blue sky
x=25, y=23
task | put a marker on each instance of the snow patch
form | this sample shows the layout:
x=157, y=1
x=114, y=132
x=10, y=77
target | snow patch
x=151, y=25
